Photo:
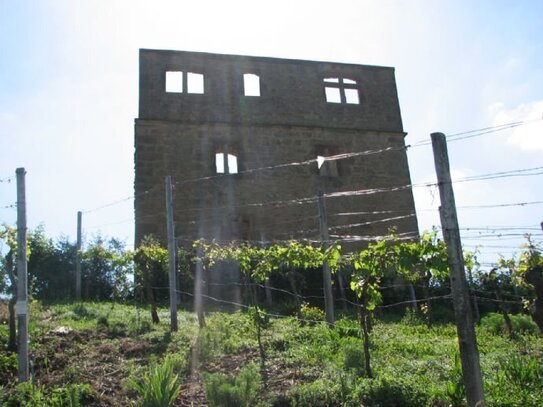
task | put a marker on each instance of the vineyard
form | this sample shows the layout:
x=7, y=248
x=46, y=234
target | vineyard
x=390, y=340
x=394, y=318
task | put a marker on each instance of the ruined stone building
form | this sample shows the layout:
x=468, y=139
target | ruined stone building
x=245, y=140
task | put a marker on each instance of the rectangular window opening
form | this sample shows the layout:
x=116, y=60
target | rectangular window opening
x=351, y=96
x=226, y=162
x=219, y=163
x=251, y=84
x=332, y=95
x=232, y=164
x=195, y=83
x=174, y=82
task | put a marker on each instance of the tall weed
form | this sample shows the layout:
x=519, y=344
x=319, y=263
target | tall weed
x=522, y=371
x=30, y=395
x=354, y=358
x=455, y=386
x=158, y=387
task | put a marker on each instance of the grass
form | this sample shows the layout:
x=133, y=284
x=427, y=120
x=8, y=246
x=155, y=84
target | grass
x=158, y=386
x=107, y=347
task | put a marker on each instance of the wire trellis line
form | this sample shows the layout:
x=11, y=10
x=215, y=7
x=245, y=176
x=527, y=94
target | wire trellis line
x=354, y=304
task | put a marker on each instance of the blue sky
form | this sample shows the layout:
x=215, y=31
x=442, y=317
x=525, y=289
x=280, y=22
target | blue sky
x=69, y=89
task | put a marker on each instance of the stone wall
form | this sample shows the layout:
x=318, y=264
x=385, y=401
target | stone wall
x=292, y=92
x=179, y=134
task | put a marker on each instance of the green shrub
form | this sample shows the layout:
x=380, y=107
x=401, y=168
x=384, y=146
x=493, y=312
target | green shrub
x=411, y=317
x=523, y=323
x=387, y=393
x=455, y=385
x=354, y=358
x=8, y=363
x=321, y=392
x=28, y=395
x=225, y=333
x=495, y=324
x=522, y=371
x=311, y=315
x=158, y=386
x=347, y=328
x=139, y=325
x=102, y=321
x=82, y=312
x=240, y=391
x=70, y=396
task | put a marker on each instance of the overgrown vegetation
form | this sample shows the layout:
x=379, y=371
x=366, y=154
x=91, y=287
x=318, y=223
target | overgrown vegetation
x=238, y=391
x=307, y=363
x=158, y=386
x=391, y=346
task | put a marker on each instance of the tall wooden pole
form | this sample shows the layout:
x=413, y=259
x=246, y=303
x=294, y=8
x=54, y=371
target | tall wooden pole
x=78, y=259
x=22, y=284
x=171, y=253
x=467, y=340
x=198, y=282
x=326, y=276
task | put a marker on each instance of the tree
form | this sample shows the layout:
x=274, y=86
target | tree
x=8, y=236
x=151, y=261
x=424, y=259
x=499, y=282
x=369, y=267
x=105, y=270
x=50, y=266
x=528, y=271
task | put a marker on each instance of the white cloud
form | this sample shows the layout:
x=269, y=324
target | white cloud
x=528, y=137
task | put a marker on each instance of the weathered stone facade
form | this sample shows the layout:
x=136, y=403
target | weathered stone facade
x=190, y=136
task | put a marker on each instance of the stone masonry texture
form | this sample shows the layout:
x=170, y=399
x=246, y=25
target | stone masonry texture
x=179, y=134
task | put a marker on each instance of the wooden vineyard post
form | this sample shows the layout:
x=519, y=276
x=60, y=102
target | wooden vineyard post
x=78, y=259
x=22, y=283
x=327, y=277
x=467, y=340
x=171, y=254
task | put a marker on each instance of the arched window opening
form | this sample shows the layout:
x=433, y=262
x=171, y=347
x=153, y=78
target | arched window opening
x=251, y=84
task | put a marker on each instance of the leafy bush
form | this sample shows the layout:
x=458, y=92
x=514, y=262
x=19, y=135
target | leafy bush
x=522, y=371
x=30, y=395
x=346, y=390
x=383, y=392
x=495, y=324
x=311, y=315
x=70, y=396
x=240, y=391
x=225, y=333
x=8, y=363
x=158, y=386
x=524, y=324
x=321, y=392
x=138, y=325
x=102, y=321
x=81, y=311
x=348, y=328
x=455, y=386
x=411, y=317
x=354, y=358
